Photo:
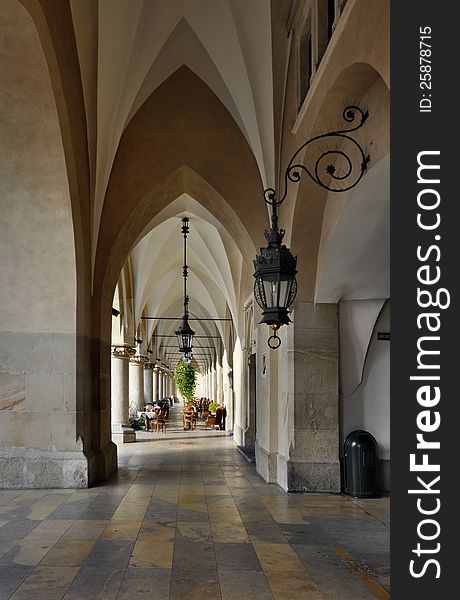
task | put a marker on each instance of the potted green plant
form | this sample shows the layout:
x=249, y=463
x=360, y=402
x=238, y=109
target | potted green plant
x=213, y=407
x=185, y=378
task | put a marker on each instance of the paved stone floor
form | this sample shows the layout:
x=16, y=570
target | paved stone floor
x=187, y=517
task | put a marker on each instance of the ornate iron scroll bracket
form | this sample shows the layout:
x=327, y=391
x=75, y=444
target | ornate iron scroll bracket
x=325, y=171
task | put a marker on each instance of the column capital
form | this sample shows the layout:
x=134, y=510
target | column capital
x=123, y=351
x=149, y=365
x=139, y=359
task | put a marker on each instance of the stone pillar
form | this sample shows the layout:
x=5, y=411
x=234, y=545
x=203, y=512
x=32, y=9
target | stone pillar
x=136, y=383
x=168, y=385
x=121, y=431
x=155, y=384
x=227, y=390
x=213, y=383
x=219, y=383
x=308, y=425
x=148, y=383
x=161, y=385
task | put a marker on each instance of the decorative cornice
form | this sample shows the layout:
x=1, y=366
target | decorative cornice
x=123, y=351
x=139, y=359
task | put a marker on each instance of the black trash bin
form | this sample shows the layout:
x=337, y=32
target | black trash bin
x=360, y=450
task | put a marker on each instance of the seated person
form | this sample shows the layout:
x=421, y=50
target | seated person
x=147, y=421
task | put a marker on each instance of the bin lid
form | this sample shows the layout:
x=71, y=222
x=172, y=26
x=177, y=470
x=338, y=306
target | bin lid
x=360, y=439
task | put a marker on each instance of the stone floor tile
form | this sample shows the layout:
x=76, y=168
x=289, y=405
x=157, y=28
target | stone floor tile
x=11, y=578
x=145, y=584
x=28, y=497
x=197, y=585
x=67, y=511
x=244, y=585
x=68, y=553
x=288, y=585
x=255, y=514
x=29, y=554
x=236, y=557
x=16, y=530
x=229, y=532
x=195, y=530
x=331, y=574
x=129, y=513
x=46, y=583
x=190, y=514
x=45, y=505
x=262, y=531
x=111, y=553
x=96, y=513
x=154, y=531
x=224, y=515
x=304, y=534
x=152, y=555
x=8, y=495
x=121, y=530
x=278, y=557
x=221, y=501
x=93, y=582
x=85, y=530
x=193, y=556
x=47, y=531
x=12, y=511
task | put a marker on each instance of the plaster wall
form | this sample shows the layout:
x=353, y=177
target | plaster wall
x=365, y=375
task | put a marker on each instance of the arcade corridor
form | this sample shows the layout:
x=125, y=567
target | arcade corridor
x=147, y=145
x=187, y=517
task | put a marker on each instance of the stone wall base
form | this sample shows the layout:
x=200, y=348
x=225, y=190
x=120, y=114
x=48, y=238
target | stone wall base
x=21, y=469
x=123, y=435
x=296, y=476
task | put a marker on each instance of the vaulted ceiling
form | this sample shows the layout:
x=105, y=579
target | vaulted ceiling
x=140, y=43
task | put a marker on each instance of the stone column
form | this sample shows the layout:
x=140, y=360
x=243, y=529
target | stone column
x=227, y=390
x=213, y=383
x=121, y=431
x=155, y=384
x=220, y=383
x=136, y=383
x=160, y=385
x=148, y=383
x=168, y=383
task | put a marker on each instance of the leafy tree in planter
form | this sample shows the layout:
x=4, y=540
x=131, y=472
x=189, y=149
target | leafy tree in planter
x=185, y=378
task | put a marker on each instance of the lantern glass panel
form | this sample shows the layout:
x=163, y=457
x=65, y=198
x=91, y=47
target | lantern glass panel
x=271, y=291
x=285, y=289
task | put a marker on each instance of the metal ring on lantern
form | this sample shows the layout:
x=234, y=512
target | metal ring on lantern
x=276, y=341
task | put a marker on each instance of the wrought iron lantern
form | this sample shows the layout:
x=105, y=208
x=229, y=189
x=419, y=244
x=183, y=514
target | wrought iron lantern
x=338, y=169
x=185, y=333
x=275, y=284
x=185, y=336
